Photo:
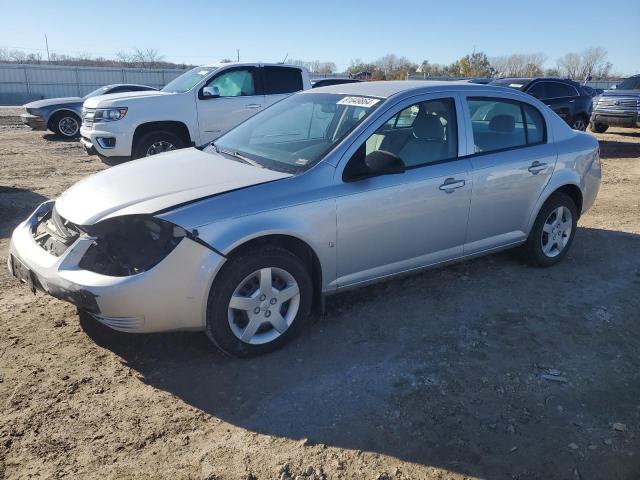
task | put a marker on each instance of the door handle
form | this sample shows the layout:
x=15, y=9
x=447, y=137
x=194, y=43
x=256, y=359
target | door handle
x=571, y=101
x=537, y=167
x=450, y=184
x=254, y=105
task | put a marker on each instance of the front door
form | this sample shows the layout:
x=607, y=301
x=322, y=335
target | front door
x=240, y=98
x=394, y=223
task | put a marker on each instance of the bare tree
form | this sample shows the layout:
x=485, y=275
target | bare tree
x=519, y=65
x=594, y=62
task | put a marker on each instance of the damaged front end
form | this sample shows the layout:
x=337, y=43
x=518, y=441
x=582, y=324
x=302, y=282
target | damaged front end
x=130, y=244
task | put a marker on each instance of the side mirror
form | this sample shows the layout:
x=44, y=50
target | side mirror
x=381, y=162
x=210, y=92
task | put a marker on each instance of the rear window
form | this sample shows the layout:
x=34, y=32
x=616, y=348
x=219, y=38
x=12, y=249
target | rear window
x=631, y=83
x=281, y=80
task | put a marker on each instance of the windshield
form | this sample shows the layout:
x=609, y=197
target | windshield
x=631, y=83
x=297, y=132
x=187, y=80
x=95, y=93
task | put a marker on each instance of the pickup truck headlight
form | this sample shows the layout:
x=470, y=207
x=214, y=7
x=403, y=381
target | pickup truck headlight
x=130, y=244
x=109, y=114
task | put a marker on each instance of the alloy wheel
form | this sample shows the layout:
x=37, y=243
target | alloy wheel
x=68, y=126
x=264, y=305
x=557, y=231
x=159, y=147
x=579, y=124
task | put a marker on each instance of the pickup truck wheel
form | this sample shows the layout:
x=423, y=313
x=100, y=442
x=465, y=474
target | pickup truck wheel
x=66, y=124
x=598, y=127
x=153, y=143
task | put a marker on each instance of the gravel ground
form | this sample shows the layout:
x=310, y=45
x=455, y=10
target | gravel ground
x=489, y=368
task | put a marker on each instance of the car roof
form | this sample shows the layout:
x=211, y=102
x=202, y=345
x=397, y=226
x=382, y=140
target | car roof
x=386, y=89
x=250, y=64
x=112, y=85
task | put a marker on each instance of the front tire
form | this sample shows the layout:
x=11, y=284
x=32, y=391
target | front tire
x=553, y=231
x=66, y=125
x=156, y=142
x=598, y=127
x=259, y=301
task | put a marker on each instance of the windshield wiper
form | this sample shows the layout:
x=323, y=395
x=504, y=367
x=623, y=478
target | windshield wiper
x=237, y=155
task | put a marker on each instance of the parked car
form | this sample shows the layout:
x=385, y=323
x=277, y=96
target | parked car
x=192, y=110
x=329, y=189
x=619, y=107
x=326, y=82
x=565, y=97
x=62, y=115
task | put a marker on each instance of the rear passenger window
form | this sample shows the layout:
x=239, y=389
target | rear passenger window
x=281, y=80
x=497, y=124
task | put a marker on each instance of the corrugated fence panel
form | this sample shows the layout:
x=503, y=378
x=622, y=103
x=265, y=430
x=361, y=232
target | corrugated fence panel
x=20, y=84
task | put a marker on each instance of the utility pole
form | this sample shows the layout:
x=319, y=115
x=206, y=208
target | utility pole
x=47, y=44
x=238, y=55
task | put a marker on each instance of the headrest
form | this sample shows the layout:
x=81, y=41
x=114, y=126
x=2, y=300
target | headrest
x=428, y=127
x=502, y=124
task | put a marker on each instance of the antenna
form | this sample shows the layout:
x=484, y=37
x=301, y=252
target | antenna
x=46, y=41
x=285, y=58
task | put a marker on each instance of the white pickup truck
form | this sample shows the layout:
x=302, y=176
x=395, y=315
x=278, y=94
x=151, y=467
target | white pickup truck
x=192, y=110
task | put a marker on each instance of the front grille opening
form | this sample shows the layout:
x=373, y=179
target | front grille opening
x=55, y=234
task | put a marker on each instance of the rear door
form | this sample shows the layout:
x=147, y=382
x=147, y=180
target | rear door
x=280, y=82
x=240, y=98
x=512, y=162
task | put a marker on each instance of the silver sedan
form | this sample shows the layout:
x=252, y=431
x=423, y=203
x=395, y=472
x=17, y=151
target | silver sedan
x=329, y=189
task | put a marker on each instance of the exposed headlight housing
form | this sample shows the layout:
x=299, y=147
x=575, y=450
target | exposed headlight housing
x=109, y=114
x=130, y=244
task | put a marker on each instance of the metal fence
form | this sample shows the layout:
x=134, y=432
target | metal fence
x=20, y=84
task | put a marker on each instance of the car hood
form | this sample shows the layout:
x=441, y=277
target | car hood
x=54, y=101
x=114, y=99
x=621, y=93
x=156, y=183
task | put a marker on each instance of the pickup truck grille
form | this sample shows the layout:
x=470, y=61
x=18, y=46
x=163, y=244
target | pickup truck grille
x=87, y=117
x=618, y=103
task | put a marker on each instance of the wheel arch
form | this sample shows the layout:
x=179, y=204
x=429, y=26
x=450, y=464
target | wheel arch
x=56, y=113
x=176, y=127
x=569, y=188
x=294, y=244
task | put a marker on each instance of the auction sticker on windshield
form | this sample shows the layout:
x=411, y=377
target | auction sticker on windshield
x=359, y=101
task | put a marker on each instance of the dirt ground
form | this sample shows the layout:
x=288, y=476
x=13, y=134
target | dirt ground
x=487, y=369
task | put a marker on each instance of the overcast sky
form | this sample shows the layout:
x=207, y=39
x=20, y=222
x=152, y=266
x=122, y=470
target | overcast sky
x=207, y=31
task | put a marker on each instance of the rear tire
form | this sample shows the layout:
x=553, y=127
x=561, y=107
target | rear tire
x=65, y=124
x=156, y=142
x=248, y=312
x=553, y=231
x=598, y=127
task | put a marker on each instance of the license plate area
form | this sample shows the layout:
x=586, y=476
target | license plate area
x=23, y=274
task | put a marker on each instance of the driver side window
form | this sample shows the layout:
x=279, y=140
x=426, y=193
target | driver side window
x=236, y=83
x=422, y=134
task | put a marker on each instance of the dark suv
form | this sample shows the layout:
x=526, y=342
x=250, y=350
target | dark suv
x=565, y=97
